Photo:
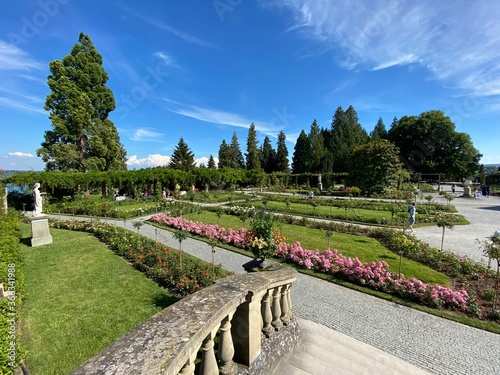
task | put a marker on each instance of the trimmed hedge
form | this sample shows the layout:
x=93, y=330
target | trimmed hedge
x=12, y=277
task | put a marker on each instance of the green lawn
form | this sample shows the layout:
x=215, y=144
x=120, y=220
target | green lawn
x=367, y=249
x=81, y=297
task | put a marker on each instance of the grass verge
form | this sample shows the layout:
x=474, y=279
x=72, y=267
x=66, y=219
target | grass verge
x=81, y=298
x=366, y=249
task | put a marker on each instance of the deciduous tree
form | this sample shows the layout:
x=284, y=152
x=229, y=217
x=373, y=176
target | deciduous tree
x=374, y=166
x=429, y=143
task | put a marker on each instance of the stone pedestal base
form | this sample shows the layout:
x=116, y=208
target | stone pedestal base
x=40, y=234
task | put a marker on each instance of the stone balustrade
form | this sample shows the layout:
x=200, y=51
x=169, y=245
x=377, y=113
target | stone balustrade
x=249, y=316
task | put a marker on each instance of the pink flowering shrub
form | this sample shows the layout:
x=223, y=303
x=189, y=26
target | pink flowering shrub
x=238, y=238
x=374, y=275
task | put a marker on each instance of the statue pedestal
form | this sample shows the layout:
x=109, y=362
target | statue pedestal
x=40, y=234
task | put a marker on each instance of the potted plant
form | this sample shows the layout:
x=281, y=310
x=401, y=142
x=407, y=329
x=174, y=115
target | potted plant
x=262, y=243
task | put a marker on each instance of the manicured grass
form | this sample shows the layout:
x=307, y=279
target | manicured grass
x=365, y=248
x=81, y=298
x=136, y=205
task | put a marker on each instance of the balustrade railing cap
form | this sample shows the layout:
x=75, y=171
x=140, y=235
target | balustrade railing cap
x=164, y=342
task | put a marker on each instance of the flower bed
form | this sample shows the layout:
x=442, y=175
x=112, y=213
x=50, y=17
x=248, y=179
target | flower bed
x=173, y=269
x=374, y=275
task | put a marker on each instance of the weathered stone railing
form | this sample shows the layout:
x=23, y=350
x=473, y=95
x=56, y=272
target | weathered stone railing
x=251, y=314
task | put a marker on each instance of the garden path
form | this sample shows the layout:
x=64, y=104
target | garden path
x=483, y=215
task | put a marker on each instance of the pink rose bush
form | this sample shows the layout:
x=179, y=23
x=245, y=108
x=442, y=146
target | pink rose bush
x=374, y=275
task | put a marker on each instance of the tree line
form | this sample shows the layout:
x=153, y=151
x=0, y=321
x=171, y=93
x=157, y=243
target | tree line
x=84, y=139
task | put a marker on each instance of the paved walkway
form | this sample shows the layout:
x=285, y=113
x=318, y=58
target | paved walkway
x=484, y=217
x=434, y=344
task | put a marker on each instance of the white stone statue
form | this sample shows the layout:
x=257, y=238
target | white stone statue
x=37, y=197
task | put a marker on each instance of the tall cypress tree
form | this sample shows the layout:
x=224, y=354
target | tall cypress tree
x=346, y=135
x=379, y=132
x=223, y=155
x=252, y=155
x=301, y=154
x=182, y=157
x=317, y=147
x=268, y=156
x=83, y=137
x=235, y=155
x=211, y=162
x=281, y=154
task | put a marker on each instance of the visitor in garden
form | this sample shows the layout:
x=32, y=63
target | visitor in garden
x=412, y=211
x=164, y=194
x=453, y=188
x=311, y=194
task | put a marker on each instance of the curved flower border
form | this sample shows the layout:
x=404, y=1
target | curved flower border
x=374, y=275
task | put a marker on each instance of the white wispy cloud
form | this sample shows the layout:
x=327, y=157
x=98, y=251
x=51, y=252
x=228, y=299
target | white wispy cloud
x=216, y=116
x=167, y=59
x=145, y=134
x=19, y=154
x=180, y=34
x=458, y=42
x=11, y=103
x=158, y=160
x=14, y=58
x=154, y=160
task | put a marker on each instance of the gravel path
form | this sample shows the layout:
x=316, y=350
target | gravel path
x=484, y=217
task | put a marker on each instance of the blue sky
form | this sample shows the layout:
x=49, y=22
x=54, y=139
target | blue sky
x=204, y=69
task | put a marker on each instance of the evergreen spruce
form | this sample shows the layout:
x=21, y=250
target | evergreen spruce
x=268, y=156
x=253, y=154
x=235, y=156
x=379, y=131
x=182, y=157
x=223, y=155
x=282, y=154
x=211, y=162
x=301, y=154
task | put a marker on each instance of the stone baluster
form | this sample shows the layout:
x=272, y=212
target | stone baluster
x=276, y=307
x=285, y=308
x=267, y=316
x=208, y=360
x=189, y=367
x=226, y=347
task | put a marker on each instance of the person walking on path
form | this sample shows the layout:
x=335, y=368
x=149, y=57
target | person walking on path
x=412, y=211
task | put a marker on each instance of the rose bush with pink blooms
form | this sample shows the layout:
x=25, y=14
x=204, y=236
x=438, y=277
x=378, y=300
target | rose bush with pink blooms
x=374, y=275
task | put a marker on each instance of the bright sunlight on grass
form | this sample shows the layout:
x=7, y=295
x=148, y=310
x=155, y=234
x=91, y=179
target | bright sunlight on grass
x=365, y=248
x=81, y=298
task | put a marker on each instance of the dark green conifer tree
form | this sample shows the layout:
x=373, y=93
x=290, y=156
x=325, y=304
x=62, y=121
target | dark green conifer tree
x=83, y=137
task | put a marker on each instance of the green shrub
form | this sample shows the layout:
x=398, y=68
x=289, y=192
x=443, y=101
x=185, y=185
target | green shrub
x=12, y=277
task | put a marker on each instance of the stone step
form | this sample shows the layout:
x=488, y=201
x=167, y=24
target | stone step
x=326, y=351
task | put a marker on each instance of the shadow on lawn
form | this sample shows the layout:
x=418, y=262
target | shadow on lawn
x=163, y=300
x=26, y=241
